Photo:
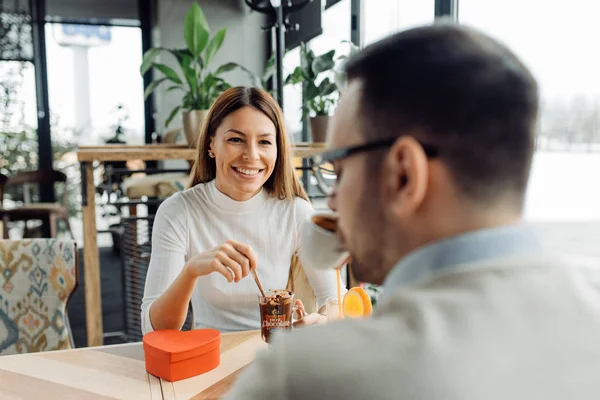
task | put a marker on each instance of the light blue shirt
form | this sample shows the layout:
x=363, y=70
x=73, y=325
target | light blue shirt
x=456, y=251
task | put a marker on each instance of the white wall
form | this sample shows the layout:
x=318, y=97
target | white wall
x=245, y=43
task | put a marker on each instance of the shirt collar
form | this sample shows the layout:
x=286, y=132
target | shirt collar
x=466, y=248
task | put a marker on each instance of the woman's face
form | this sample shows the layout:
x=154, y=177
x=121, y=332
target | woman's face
x=245, y=151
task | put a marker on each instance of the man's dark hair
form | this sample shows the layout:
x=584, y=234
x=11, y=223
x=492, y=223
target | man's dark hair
x=457, y=89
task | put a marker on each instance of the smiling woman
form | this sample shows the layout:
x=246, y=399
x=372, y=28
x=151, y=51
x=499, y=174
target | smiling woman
x=247, y=158
x=242, y=210
x=246, y=123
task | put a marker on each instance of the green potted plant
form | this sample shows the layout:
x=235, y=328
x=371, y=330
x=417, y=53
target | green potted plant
x=199, y=85
x=320, y=91
x=322, y=80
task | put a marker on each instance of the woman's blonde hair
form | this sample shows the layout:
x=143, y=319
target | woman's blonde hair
x=283, y=182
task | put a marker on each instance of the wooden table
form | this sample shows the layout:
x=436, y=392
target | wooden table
x=87, y=155
x=118, y=372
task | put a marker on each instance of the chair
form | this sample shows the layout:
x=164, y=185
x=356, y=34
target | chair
x=37, y=279
x=299, y=284
x=53, y=212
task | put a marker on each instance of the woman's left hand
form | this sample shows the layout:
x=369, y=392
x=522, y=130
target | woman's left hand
x=303, y=319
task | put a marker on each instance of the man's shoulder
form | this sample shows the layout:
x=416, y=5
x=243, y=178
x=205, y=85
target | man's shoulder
x=339, y=360
x=547, y=263
x=334, y=334
x=350, y=359
x=444, y=326
x=339, y=345
x=476, y=296
x=510, y=272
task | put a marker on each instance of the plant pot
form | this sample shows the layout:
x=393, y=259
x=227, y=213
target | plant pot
x=192, y=123
x=318, y=128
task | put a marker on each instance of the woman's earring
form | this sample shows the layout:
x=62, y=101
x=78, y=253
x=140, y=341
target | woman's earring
x=211, y=155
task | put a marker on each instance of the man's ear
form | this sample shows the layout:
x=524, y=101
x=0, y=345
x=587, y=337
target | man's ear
x=405, y=175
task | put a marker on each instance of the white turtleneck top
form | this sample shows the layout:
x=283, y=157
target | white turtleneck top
x=200, y=218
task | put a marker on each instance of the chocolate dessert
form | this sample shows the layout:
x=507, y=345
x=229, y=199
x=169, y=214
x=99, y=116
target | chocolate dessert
x=275, y=312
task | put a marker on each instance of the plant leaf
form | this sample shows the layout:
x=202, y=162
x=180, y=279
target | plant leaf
x=212, y=87
x=311, y=91
x=216, y=90
x=152, y=87
x=214, y=45
x=323, y=62
x=174, y=88
x=204, y=91
x=172, y=115
x=179, y=54
x=295, y=77
x=326, y=87
x=189, y=73
x=203, y=21
x=226, y=68
x=269, y=69
x=169, y=73
x=184, y=58
x=148, y=60
x=223, y=86
x=195, y=30
x=188, y=101
x=306, y=60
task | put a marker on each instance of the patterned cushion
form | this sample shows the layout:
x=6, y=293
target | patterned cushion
x=37, y=277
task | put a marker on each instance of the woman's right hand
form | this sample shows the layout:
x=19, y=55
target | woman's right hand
x=233, y=260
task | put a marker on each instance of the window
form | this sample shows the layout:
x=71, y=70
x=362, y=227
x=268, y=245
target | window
x=292, y=95
x=394, y=15
x=17, y=96
x=559, y=45
x=18, y=112
x=336, y=29
x=18, y=117
x=94, y=82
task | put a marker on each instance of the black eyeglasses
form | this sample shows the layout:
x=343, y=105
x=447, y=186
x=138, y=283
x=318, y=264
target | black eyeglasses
x=322, y=164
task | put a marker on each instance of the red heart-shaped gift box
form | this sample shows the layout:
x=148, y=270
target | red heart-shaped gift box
x=174, y=355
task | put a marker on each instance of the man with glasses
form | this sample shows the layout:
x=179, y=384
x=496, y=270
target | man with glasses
x=432, y=144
